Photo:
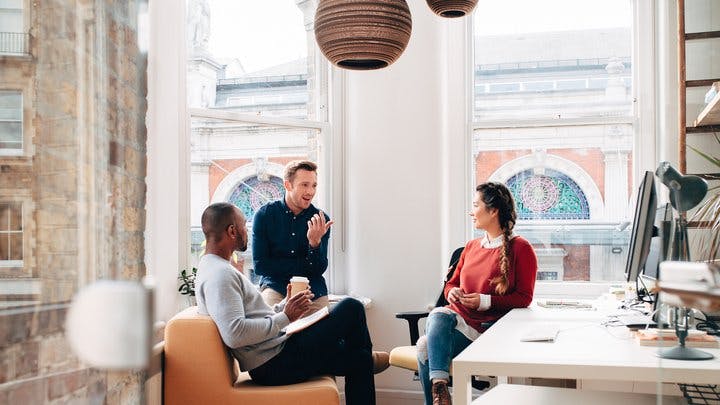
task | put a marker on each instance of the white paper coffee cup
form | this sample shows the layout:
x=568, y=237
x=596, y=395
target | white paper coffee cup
x=297, y=284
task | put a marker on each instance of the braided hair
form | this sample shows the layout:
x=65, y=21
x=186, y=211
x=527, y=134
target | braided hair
x=498, y=196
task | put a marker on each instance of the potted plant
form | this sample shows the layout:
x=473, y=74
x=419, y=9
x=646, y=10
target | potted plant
x=707, y=216
x=187, y=284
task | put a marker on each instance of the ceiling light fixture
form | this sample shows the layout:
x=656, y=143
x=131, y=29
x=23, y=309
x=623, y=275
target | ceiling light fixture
x=362, y=34
x=452, y=8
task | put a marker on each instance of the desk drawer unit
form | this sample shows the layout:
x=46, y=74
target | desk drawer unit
x=533, y=395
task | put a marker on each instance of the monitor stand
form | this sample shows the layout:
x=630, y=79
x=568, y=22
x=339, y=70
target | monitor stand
x=682, y=352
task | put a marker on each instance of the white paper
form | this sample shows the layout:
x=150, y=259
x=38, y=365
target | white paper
x=304, y=322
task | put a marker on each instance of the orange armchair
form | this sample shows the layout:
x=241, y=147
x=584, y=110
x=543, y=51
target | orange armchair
x=198, y=369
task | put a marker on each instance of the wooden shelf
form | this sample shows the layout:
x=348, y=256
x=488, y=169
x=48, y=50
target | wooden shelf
x=703, y=299
x=710, y=115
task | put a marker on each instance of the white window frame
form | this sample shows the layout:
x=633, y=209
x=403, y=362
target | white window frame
x=21, y=150
x=167, y=236
x=644, y=72
x=24, y=19
x=15, y=264
x=323, y=160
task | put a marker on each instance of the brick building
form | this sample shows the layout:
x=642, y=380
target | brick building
x=72, y=189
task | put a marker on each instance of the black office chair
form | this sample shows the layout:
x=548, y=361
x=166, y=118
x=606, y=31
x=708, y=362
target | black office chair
x=406, y=356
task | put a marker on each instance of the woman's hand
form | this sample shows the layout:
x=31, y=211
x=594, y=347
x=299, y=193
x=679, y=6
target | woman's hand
x=454, y=295
x=297, y=305
x=471, y=301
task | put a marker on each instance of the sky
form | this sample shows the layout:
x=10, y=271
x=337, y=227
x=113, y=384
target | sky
x=264, y=33
x=494, y=17
x=261, y=33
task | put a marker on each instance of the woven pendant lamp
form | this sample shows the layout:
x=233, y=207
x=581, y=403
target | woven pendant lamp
x=452, y=8
x=362, y=34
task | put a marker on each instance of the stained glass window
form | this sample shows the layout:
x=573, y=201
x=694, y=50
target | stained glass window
x=551, y=195
x=253, y=193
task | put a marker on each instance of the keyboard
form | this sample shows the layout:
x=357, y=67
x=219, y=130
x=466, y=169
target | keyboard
x=636, y=321
x=555, y=303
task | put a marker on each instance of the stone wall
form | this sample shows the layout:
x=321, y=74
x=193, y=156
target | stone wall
x=83, y=178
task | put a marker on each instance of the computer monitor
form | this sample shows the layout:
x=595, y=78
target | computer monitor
x=650, y=274
x=642, y=227
x=658, y=244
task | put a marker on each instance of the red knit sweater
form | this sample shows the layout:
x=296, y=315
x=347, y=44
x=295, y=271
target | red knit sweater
x=478, y=266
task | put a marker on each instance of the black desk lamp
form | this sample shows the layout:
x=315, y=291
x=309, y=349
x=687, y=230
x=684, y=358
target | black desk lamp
x=686, y=191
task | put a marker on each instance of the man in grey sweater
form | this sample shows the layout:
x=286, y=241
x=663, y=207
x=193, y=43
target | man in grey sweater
x=337, y=345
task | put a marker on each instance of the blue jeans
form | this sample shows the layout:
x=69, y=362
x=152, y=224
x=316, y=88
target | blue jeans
x=441, y=343
x=337, y=345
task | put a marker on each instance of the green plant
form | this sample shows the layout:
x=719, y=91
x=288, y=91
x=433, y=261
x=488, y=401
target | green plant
x=707, y=216
x=187, y=282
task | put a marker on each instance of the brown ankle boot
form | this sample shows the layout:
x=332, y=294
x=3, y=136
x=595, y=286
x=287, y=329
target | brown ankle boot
x=381, y=361
x=440, y=393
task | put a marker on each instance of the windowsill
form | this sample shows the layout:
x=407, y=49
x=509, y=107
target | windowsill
x=11, y=264
x=15, y=158
x=26, y=57
x=569, y=289
x=335, y=298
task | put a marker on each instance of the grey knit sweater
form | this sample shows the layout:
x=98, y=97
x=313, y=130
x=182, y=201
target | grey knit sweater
x=248, y=326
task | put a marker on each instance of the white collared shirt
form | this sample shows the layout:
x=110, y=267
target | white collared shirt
x=493, y=243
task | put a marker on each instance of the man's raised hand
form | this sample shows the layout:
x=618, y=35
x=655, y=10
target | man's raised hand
x=317, y=228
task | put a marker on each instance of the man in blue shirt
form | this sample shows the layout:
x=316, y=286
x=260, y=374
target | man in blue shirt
x=290, y=237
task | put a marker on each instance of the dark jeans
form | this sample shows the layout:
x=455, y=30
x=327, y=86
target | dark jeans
x=337, y=345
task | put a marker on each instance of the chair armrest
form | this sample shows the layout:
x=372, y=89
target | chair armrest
x=412, y=318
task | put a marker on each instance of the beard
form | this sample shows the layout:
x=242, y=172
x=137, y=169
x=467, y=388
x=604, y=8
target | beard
x=241, y=246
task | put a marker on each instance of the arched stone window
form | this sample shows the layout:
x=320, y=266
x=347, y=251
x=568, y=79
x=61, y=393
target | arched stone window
x=552, y=165
x=549, y=196
x=252, y=193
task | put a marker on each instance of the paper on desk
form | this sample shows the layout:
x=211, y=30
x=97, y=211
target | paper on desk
x=304, y=322
x=544, y=333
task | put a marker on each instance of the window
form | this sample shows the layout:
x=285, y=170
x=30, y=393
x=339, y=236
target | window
x=554, y=120
x=13, y=39
x=254, y=105
x=551, y=195
x=504, y=87
x=11, y=123
x=538, y=86
x=11, y=234
x=256, y=191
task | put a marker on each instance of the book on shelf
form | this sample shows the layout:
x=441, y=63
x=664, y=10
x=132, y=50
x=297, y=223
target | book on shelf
x=667, y=337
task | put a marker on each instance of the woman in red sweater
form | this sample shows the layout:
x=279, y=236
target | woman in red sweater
x=495, y=274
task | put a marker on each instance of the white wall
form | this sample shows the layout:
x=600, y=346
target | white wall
x=168, y=164
x=405, y=136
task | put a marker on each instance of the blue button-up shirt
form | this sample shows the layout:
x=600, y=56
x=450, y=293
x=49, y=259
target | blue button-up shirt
x=281, y=249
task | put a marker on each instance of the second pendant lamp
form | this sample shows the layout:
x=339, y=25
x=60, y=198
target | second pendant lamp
x=362, y=34
x=452, y=8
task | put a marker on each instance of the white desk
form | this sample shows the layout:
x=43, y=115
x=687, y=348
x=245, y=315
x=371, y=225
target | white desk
x=529, y=395
x=582, y=350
